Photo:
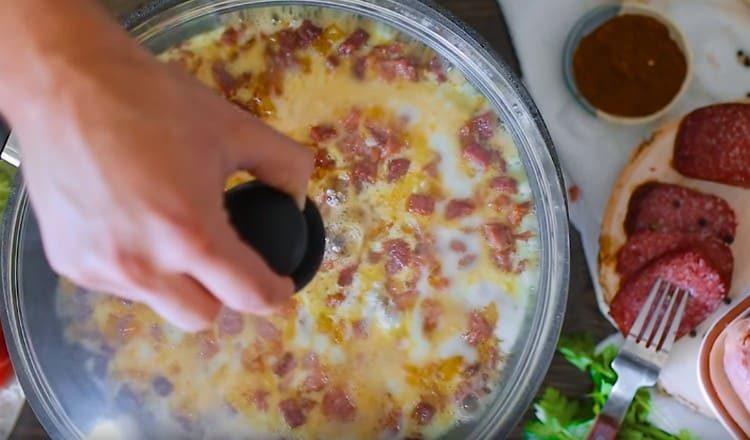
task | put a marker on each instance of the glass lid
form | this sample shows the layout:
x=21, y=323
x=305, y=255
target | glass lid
x=442, y=290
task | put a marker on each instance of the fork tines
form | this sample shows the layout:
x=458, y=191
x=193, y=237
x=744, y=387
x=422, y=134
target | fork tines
x=657, y=324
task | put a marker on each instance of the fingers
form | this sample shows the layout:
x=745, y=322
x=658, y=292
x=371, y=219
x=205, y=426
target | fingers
x=271, y=157
x=182, y=301
x=237, y=275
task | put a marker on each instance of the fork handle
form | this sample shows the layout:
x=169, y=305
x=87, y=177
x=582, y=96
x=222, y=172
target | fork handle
x=607, y=423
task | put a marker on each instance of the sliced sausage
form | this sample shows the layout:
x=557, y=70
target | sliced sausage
x=646, y=246
x=713, y=143
x=686, y=269
x=664, y=207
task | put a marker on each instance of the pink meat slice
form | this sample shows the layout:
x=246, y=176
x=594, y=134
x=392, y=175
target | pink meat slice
x=737, y=359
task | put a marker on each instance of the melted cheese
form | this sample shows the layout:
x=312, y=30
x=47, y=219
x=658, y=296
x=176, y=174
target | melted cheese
x=400, y=362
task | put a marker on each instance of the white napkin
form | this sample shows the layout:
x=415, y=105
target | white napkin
x=11, y=403
x=592, y=151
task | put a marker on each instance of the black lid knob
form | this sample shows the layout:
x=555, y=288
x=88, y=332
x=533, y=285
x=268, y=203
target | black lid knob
x=291, y=241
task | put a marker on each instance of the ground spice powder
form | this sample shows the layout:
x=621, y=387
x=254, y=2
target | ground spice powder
x=629, y=66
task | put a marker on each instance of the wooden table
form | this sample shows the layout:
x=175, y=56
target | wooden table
x=582, y=314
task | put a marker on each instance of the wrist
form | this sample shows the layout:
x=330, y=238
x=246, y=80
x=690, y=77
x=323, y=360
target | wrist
x=44, y=44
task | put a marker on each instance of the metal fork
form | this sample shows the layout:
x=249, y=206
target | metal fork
x=642, y=355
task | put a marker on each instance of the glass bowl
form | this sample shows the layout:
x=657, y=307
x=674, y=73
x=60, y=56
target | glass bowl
x=67, y=400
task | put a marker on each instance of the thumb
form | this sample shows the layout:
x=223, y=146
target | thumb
x=236, y=274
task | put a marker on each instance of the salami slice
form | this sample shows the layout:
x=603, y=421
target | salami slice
x=663, y=207
x=713, y=143
x=644, y=247
x=686, y=269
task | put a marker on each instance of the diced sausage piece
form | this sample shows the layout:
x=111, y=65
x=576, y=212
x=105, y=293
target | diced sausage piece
x=333, y=61
x=379, y=133
x=230, y=323
x=316, y=381
x=351, y=120
x=354, y=42
x=359, y=68
x=259, y=399
x=479, y=329
x=423, y=413
x=317, y=378
x=399, y=255
x=480, y=156
x=458, y=246
x=335, y=300
x=424, y=251
x=266, y=329
x=666, y=207
x=230, y=36
x=503, y=259
x=288, y=40
x=458, y=208
x=363, y=172
x=436, y=67
x=346, y=276
x=338, y=406
x=467, y=260
x=483, y=126
x=686, y=269
x=391, y=424
x=224, y=80
x=162, y=386
x=374, y=257
x=713, y=143
x=207, y=347
x=404, y=299
x=252, y=361
x=284, y=365
x=295, y=411
x=352, y=145
x=402, y=68
x=322, y=133
x=421, y=204
x=323, y=160
x=391, y=51
x=359, y=328
x=644, y=247
x=311, y=361
x=517, y=212
x=504, y=184
x=431, y=311
x=397, y=168
x=737, y=359
x=498, y=236
x=308, y=33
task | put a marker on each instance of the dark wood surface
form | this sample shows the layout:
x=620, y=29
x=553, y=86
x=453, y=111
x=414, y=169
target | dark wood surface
x=582, y=314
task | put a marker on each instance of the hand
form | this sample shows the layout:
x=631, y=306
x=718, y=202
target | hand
x=126, y=160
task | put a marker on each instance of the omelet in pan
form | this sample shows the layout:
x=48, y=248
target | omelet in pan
x=432, y=249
